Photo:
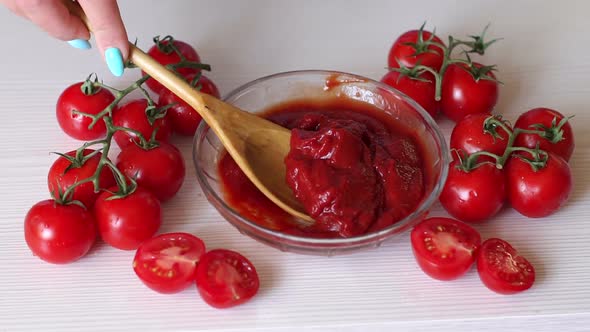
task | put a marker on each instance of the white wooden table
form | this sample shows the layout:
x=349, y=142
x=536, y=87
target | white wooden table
x=544, y=60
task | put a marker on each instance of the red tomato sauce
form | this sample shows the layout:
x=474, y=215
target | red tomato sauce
x=353, y=167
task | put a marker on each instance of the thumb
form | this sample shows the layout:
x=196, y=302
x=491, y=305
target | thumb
x=109, y=32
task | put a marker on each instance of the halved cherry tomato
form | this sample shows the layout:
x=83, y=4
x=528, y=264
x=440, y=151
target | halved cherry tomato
x=410, y=55
x=444, y=248
x=133, y=115
x=225, y=278
x=124, y=223
x=540, y=193
x=549, y=120
x=502, y=269
x=474, y=196
x=159, y=169
x=184, y=118
x=168, y=262
x=59, y=234
x=64, y=173
x=76, y=125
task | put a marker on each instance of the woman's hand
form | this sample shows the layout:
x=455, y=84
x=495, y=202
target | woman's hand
x=107, y=25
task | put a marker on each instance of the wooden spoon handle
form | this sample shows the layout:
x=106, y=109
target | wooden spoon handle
x=153, y=68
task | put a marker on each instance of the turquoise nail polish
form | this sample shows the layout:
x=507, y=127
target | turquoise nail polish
x=114, y=61
x=80, y=43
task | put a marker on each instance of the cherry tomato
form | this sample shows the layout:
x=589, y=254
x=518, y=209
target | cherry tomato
x=502, y=269
x=474, y=196
x=167, y=56
x=76, y=125
x=63, y=173
x=184, y=118
x=428, y=55
x=461, y=94
x=59, y=234
x=549, y=119
x=420, y=91
x=538, y=194
x=444, y=248
x=469, y=136
x=133, y=115
x=225, y=278
x=168, y=262
x=125, y=223
x=159, y=169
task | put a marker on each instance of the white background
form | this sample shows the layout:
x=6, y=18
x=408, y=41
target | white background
x=544, y=60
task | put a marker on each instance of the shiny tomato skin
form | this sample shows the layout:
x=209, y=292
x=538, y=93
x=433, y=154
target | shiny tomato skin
x=160, y=169
x=444, y=248
x=132, y=115
x=468, y=136
x=544, y=116
x=124, y=223
x=405, y=54
x=76, y=125
x=168, y=262
x=59, y=234
x=184, y=118
x=421, y=92
x=165, y=59
x=502, y=269
x=474, y=196
x=226, y=279
x=462, y=95
x=538, y=194
x=58, y=179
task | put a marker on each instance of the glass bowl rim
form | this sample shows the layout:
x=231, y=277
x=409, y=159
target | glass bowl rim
x=401, y=224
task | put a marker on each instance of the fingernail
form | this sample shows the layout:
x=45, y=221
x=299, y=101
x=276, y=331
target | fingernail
x=80, y=43
x=114, y=61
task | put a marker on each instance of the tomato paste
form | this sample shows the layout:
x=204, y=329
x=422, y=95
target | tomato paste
x=352, y=166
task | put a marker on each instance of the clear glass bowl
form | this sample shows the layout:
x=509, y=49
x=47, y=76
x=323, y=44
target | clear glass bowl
x=266, y=92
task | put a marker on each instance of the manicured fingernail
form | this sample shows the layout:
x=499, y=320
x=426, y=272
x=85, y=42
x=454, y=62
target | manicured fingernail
x=80, y=43
x=114, y=61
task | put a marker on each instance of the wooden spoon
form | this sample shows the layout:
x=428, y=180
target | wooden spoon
x=258, y=146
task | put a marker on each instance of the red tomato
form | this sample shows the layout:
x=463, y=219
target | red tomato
x=125, y=223
x=502, y=269
x=184, y=118
x=76, y=125
x=132, y=115
x=420, y=91
x=540, y=193
x=549, y=119
x=59, y=234
x=160, y=169
x=469, y=135
x=226, y=279
x=474, y=196
x=409, y=55
x=444, y=248
x=168, y=262
x=461, y=94
x=63, y=173
x=167, y=56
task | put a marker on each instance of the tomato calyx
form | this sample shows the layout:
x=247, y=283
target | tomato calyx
x=553, y=133
x=90, y=87
x=415, y=73
x=166, y=45
x=478, y=45
x=422, y=46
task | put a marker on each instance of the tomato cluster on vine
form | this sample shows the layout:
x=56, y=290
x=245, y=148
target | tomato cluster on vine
x=120, y=202
x=494, y=164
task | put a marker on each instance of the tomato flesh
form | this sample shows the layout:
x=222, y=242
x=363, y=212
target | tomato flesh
x=444, y=248
x=502, y=269
x=225, y=278
x=168, y=262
